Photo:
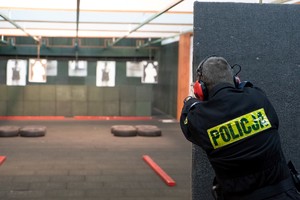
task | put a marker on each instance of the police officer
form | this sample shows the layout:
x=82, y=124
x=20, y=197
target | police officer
x=237, y=127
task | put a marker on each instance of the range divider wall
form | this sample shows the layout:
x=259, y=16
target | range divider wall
x=264, y=39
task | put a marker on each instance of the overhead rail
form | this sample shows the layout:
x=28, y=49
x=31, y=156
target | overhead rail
x=280, y=1
x=147, y=21
x=165, y=38
x=19, y=27
x=77, y=21
x=77, y=28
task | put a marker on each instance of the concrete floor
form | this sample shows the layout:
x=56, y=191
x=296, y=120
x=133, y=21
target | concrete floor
x=82, y=160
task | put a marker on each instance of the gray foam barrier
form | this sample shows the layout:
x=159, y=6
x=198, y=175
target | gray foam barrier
x=264, y=39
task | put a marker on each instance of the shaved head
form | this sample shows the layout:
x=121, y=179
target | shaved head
x=215, y=70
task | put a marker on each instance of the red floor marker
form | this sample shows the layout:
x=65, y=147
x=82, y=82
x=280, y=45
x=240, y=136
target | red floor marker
x=2, y=159
x=112, y=118
x=32, y=118
x=169, y=181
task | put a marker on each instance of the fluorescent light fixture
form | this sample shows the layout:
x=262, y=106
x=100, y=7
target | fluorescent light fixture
x=170, y=40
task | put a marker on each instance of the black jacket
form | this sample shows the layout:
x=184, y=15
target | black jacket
x=238, y=129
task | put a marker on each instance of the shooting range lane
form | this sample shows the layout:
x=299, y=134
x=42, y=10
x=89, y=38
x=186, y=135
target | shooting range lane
x=81, y=159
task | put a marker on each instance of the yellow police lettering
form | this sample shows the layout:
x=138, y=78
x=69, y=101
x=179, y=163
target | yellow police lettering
x=255, y=125
x=232, y=133
x=247, y=129
x=214, y=135
x=236, y=123
x=224, y=133
x=239, y=128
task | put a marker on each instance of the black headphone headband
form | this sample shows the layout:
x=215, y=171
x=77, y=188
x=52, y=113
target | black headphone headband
x=239, y=66
x=200, y=66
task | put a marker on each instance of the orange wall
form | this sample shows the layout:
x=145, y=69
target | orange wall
x=183, y=70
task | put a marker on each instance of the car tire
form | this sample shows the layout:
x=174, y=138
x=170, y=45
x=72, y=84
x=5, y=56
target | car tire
x=123, y=131
x=9, y=131
x=148, y=130
x=33, y=131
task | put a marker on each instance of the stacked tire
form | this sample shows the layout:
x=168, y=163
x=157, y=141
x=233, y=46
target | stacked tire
x=9, y=131
x=139, y=130
x=123, y=131
x=27, y=131
x=33, y=131
x=148, y=130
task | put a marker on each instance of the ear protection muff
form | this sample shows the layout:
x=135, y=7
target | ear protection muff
x=200, y=89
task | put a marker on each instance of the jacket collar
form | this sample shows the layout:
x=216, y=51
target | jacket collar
x=218, y=88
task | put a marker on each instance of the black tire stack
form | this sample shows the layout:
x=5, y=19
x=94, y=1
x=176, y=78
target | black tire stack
x=27, y=131
x=123, y=130
x=148, y=130
x=138, y=130
x=9, y=131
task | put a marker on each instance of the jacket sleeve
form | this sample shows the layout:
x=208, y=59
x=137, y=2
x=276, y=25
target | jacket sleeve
x=184, y=125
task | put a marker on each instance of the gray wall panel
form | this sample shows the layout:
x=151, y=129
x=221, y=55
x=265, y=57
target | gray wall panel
x=127, y=93
x=144, y=93
x=15, y=93
x=70, y=100
x=95, y=108
x=63, y=93
x=165, y=92
x=3, y=107
x=79, y=108
x=47, y=108
x=64, y=108
x=32, y=93
x=128, y=108
x=111, y=94
x=143, y=108
x=95, y=93
x=3, y=92
x=15, y=108
x=48, y=93
x=31, y=108
x=111, y=108
x=79, y=93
